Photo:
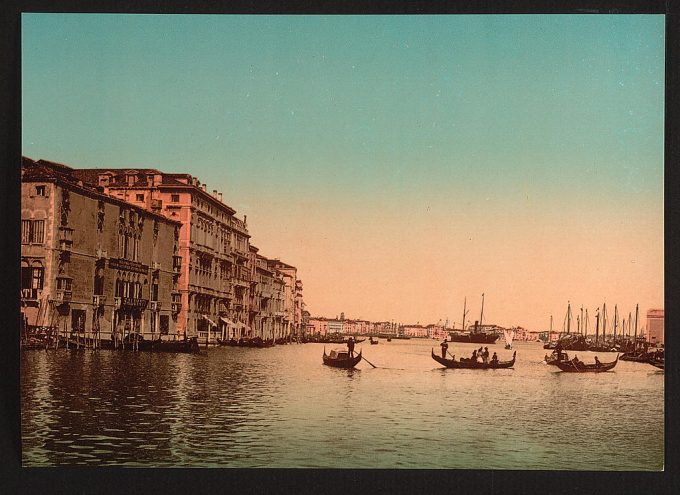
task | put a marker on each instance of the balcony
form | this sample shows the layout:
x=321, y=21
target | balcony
x=155, y=305
x=117, y=301
x=176, y=307
x=177, y=264
x=133, y=303
x=65, y=239
x=62, y=296
x=98, y=300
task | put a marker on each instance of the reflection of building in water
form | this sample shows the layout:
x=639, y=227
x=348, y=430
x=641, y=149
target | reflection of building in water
x=91, y=264
x=655, y=324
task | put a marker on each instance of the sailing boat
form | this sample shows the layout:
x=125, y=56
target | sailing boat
x=509, y=335
x=476, y=335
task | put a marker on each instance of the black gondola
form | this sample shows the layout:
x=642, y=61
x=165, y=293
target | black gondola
x=340, y=359
x=469, y=364
x=581, y=367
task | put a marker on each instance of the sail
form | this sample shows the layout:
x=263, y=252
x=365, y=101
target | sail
x=509, y=335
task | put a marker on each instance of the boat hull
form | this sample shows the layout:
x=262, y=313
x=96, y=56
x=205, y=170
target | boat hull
x=473, y=365
x=475, y=338
x=571, y=367
x=341, y=363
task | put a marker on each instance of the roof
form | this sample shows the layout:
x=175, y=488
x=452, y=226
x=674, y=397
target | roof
x=43, y=170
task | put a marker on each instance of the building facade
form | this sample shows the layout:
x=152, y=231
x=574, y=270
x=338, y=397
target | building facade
x=214, y=281
x=655, y=326
x=92, y=265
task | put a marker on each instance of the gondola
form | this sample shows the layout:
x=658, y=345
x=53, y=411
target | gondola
x=659, y=363
x=469, y=364
x=373, y=342
x=340, y=359
x=572, y=367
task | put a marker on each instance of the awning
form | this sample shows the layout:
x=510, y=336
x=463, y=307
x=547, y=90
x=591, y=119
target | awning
x=227, y=321
x=209, y=321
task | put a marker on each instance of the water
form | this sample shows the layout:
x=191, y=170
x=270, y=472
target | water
x=280, y=407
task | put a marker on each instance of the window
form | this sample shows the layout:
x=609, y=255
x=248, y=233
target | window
x=63, y=283
x=32, y=231
x=174, y=198
x=38, y=277
x=32, y=279
x=140, y=197
x=40, y=190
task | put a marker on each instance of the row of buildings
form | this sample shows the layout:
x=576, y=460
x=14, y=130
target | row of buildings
x=108, y=253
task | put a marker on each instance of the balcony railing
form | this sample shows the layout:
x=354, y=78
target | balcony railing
x=176, y=307
x=155, y=305
x=130, y=303
x=62, y=295
x=65, y=238
x=98, y=300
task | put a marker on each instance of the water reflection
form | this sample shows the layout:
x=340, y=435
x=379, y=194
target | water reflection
x=281, y=407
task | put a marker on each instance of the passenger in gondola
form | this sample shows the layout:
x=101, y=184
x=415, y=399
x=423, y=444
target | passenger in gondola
x=474, y=356
x=350, y=346
x=558, y=350
x=597, y=362
x=494, y=359
x=445, y=346
x=576, y=360
x=485, y=355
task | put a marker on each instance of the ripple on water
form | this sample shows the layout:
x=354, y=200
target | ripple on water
x=233, y=408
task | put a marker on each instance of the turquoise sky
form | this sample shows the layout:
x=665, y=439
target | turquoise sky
x=374, y=131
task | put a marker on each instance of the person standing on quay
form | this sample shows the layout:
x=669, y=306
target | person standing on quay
x=445, y=346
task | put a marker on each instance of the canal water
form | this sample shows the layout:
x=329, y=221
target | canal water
x=280, y=407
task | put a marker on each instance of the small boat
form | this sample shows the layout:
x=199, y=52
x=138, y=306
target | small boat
x=659, y=363
x=339, y=358
x=581, y=367
x=469, y=364
x=509, y=336
x=389, y=339
x=373, y=342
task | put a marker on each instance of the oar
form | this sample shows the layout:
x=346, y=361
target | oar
x=362, y=357
x=452, y=356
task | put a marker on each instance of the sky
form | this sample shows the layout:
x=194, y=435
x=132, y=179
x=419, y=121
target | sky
x=401, y=163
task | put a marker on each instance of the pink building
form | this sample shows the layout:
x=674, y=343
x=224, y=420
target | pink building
x=317, y=326
x=655, y=326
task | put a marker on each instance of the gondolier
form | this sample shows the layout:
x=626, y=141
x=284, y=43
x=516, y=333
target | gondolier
x=445, y=347
x=350, y=346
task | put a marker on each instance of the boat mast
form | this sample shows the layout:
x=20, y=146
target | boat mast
x=568, y=317
x=586, y=324
x=604, y=322
x=550, y=331
x=464, y=312
x=616, y=316
x=636, y=323
x=481, y=315
x=582, y=327
x=597, y=326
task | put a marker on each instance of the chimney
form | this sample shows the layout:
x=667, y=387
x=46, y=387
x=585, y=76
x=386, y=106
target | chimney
x=214, y=193
x=219, y=196
x=245, y=218
x=203, y=187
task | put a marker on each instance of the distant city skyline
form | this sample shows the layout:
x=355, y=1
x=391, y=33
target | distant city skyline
x=401, y=163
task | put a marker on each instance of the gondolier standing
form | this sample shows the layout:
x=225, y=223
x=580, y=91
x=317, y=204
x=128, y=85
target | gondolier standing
x=350, y=346
x=445, y=346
